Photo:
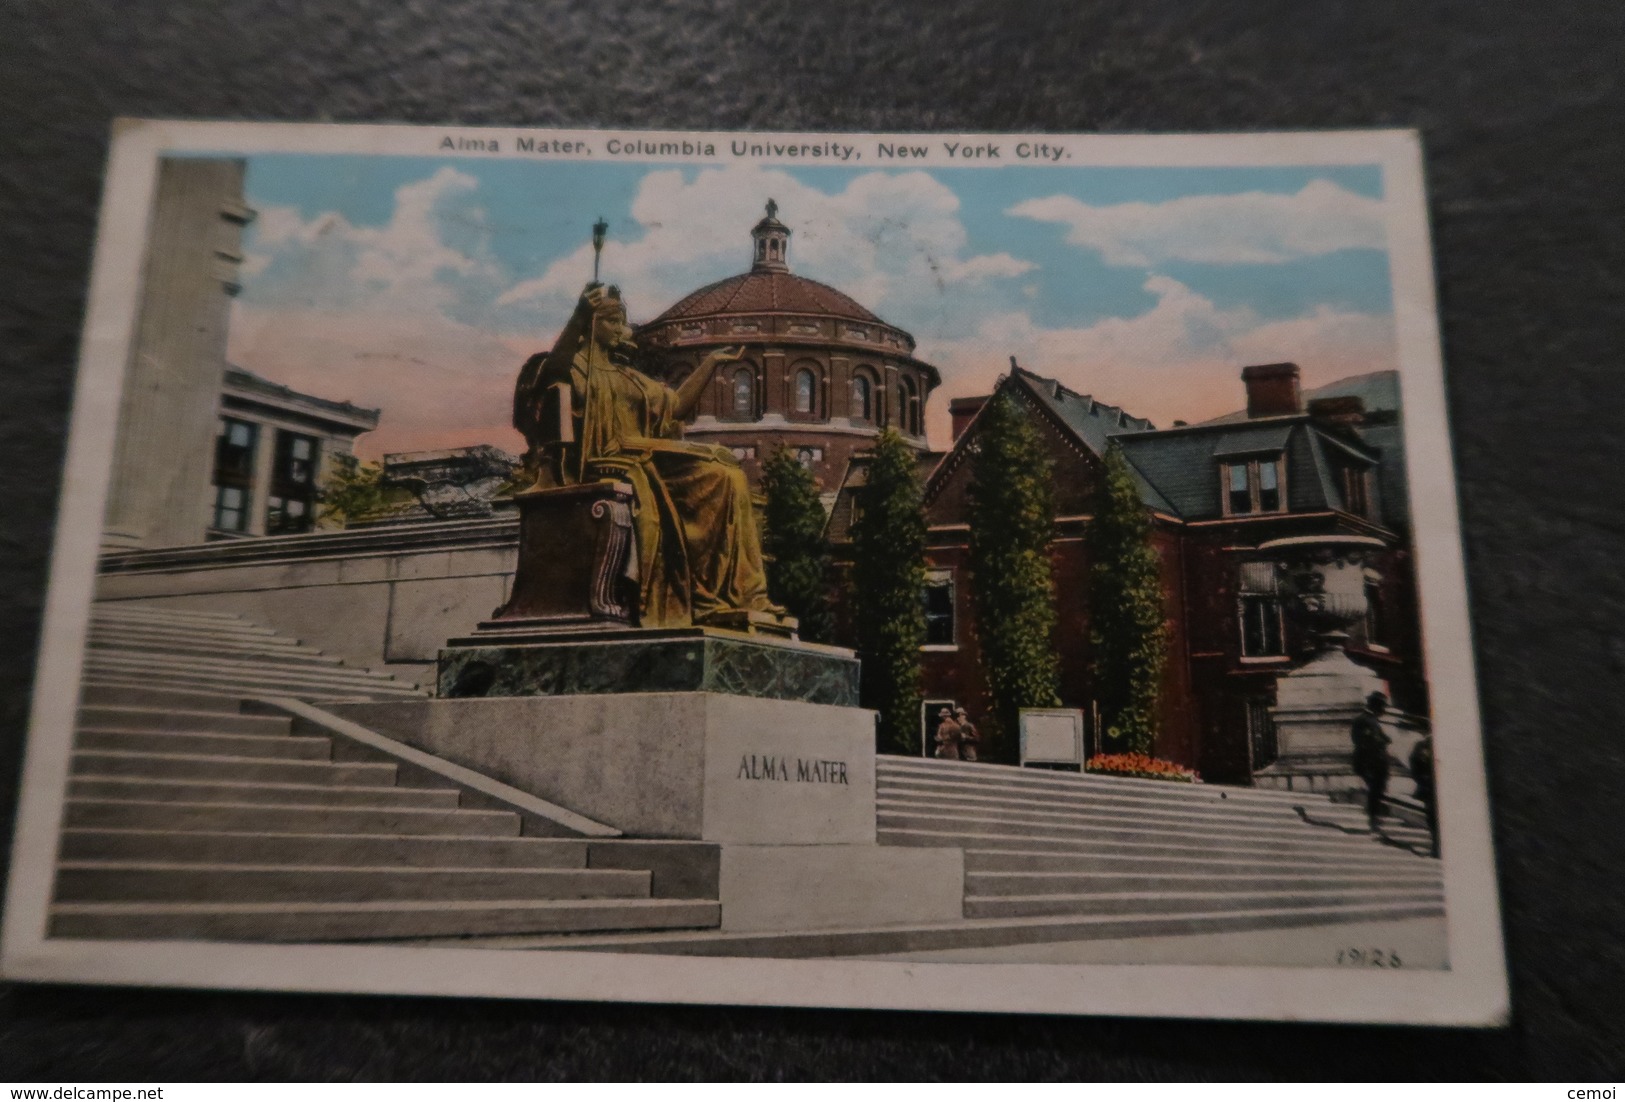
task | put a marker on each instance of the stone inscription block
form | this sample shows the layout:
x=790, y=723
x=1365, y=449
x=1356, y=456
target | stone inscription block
x=788, y=774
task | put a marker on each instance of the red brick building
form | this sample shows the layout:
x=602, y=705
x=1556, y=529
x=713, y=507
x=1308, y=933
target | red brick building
x=821, y=374
x=1289, y=465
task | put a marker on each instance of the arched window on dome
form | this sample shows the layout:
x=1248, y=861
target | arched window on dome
x=743, y=403
x=908, y=406
x=863, y=398
x=806, y=391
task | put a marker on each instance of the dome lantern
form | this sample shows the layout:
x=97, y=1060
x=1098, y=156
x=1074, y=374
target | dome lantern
x=772, y=243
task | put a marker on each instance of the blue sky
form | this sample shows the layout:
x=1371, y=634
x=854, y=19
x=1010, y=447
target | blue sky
x=418, y=284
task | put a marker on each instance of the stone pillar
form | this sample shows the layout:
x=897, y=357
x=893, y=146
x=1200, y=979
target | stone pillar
x=163, y=463
x=1316, y=704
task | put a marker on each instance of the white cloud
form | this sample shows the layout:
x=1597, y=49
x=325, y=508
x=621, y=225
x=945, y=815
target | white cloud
x=1251, y=228
x=429, y=255
x=1180, y=359
x=888, y=240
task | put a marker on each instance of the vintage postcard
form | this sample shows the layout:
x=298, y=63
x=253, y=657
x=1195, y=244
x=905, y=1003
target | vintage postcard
x=975, y=572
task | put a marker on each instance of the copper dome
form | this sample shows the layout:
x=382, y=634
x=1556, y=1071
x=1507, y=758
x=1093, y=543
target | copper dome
x=766, y=292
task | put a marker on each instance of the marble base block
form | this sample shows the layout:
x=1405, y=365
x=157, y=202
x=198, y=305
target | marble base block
x=634, y=660
x=778, y=888
x=708, y=767
x=1316, y=706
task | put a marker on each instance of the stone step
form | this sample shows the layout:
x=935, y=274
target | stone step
x=981, y=933
x=218, y=767
x=993, y=884
x=106, y=611
x=139, y=695
x=974, y=777
x=116, y=633
x=241, y=686
x=215, y=649
x=1171, y=902
x=891, y=769
x=155, y=882
x=1127, y=815
x=1129, y=843
x=141, y=740
x=128, y=717
x=290, y=818
x=1185, y=862
x=313, y=667
x=374, y=921
x=241, y=847
x=966, y=794
x=260, y=792
x=1107, y=829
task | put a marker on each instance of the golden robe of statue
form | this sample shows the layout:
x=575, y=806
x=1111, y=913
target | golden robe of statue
x=699, y=556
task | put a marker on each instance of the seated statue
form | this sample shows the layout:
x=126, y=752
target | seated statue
x=589, y=415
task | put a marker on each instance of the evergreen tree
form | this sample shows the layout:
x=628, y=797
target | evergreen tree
x=354, y=491
x=793, y=541
x=1012, y=517
x=888, y=578
x=1125, y=611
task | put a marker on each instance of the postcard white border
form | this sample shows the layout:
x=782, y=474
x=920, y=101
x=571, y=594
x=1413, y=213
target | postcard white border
x=1472, y=992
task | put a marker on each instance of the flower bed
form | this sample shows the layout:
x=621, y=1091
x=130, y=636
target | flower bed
x=1140, y=765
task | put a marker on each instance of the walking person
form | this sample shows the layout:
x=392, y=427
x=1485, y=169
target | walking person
x=1371, y=754
x=969, y=737
x=1422, y=774
x=947, y=735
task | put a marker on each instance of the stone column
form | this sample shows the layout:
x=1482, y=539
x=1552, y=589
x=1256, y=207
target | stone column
x=163, y=462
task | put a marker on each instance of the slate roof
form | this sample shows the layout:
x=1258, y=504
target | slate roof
x=767, y=292
x=1183, y=463
x=1093, y=423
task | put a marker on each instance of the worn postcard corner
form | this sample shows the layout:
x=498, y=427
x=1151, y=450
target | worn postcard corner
x=999, y=572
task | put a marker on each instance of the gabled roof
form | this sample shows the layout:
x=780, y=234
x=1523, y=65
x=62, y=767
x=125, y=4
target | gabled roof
x=1091, y=423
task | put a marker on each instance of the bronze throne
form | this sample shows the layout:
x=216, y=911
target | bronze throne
x=578, y=563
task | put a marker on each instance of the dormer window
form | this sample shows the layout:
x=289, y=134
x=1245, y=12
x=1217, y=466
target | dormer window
x=1357, y=491
x=1253, y=486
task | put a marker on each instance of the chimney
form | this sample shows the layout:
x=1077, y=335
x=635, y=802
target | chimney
x=1272, y=390
x=1345, y=409
x=964, y=411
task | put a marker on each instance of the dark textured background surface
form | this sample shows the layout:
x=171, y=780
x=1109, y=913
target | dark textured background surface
x=1520, y=106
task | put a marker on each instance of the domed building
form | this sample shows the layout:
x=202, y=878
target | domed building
x=821, y=374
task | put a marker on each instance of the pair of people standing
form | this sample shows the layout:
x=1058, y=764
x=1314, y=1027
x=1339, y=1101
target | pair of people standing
x=956, y=736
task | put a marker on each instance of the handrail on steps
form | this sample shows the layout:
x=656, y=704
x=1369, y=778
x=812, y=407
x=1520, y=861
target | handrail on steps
x=456, y=774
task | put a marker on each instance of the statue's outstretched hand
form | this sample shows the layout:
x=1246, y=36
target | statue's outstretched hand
x=720, y=357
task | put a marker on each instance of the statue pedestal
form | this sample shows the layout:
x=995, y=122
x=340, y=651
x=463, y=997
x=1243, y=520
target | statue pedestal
x=520, y=662
x=1315, y=707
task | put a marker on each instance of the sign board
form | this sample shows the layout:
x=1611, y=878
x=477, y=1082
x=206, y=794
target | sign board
x=1053, y=736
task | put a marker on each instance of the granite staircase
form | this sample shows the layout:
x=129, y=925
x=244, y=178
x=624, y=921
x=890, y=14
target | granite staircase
x=1041, y=843
x=151, y=646
x=1058, y=857
x=207, y=815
